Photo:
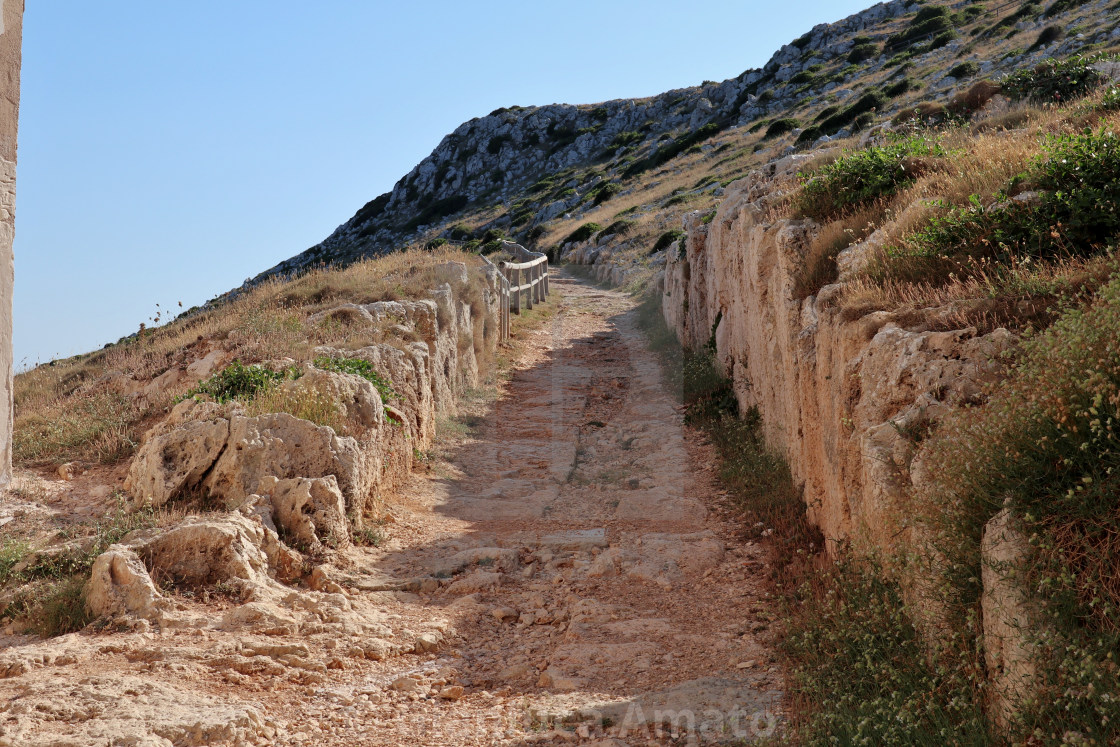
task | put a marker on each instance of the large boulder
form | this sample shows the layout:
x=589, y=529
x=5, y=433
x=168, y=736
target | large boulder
x=311, y=511
x=120, y=585
x=204, y=550
x=283, y=446
x=177, y=454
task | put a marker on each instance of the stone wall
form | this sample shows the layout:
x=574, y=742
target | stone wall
x=838, y=391
x=11, y=38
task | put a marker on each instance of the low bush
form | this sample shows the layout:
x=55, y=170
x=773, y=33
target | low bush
x=863, y=52
x=863, y=675
x=1046, y=37
x=665, y=240
x=930, y=21
x=964, y=70
x=583, y=233
x=605, y=192
x=359, y=367
x=236, y=381
x=438, y=209
x=1045, y=447
x=1061, y=6
x=866, y=103
x=926, y=112
x=809, y=135
x=1053, y=81
x=673, y=148
x=866, y=175
x=974, y=98
x=899, y=87
x=781, y=126
x=618, y=228
x=624, y=139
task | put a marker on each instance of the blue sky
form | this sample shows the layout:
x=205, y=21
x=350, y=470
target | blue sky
x=170, y=150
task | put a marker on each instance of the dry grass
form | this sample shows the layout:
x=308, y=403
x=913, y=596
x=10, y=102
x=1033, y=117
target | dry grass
x=84, y=408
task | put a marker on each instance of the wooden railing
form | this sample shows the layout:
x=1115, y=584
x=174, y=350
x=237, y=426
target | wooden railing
x=529, y=278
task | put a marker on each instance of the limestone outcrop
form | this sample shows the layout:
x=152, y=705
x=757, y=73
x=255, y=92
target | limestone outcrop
x=286, y=482
x=837, y=394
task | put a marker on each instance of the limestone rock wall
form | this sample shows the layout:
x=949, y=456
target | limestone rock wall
x=838, y=394
x=11, y=41
x=307, y=480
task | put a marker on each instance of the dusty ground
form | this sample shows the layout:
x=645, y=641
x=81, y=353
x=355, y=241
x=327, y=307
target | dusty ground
x=564, y=573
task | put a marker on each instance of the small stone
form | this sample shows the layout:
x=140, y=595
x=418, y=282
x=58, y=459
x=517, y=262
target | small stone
x=451, y=693
x=504, y=613
x=406, y=684
x=426, y=642
x=751, y=664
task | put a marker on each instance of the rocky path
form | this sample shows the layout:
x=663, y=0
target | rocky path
x=565, y=573
x=591, y=587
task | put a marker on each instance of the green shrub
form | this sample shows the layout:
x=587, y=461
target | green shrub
x=1054, y=81
x=674, y=148
x=583, y=233
x=781, y=126
x=941, y=40
x=605, y=192
x=665, y=240
x=438, y=209
x=809, y=135
x=863, y=52
x=1061, y=6
x=237, y=381
x=1047, y=36
x=459, y=232
x=964, y=70
x=359, y=367
x=931, y=21
x=896, y=89
x=803, y=77
x=865, y=175
x=623, y=139
x=845, y=117
x=436, y=243
x=618, y=228
x=1045, y=447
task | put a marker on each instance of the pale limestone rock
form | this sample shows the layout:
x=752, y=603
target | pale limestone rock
x=473, y=583
x=204, y=550
x=356, y=397
x=175, y=457
x=93, y=709
x=312, y=511
x=1010, y=623
x=283, y=446
x=120, y=585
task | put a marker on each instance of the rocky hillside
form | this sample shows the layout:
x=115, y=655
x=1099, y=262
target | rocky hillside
x=536, y=173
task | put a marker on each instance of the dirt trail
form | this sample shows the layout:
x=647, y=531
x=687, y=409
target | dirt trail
x=565, y=573
x=595, y=581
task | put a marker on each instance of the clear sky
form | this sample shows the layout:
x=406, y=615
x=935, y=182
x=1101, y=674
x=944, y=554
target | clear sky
x=169, y=150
